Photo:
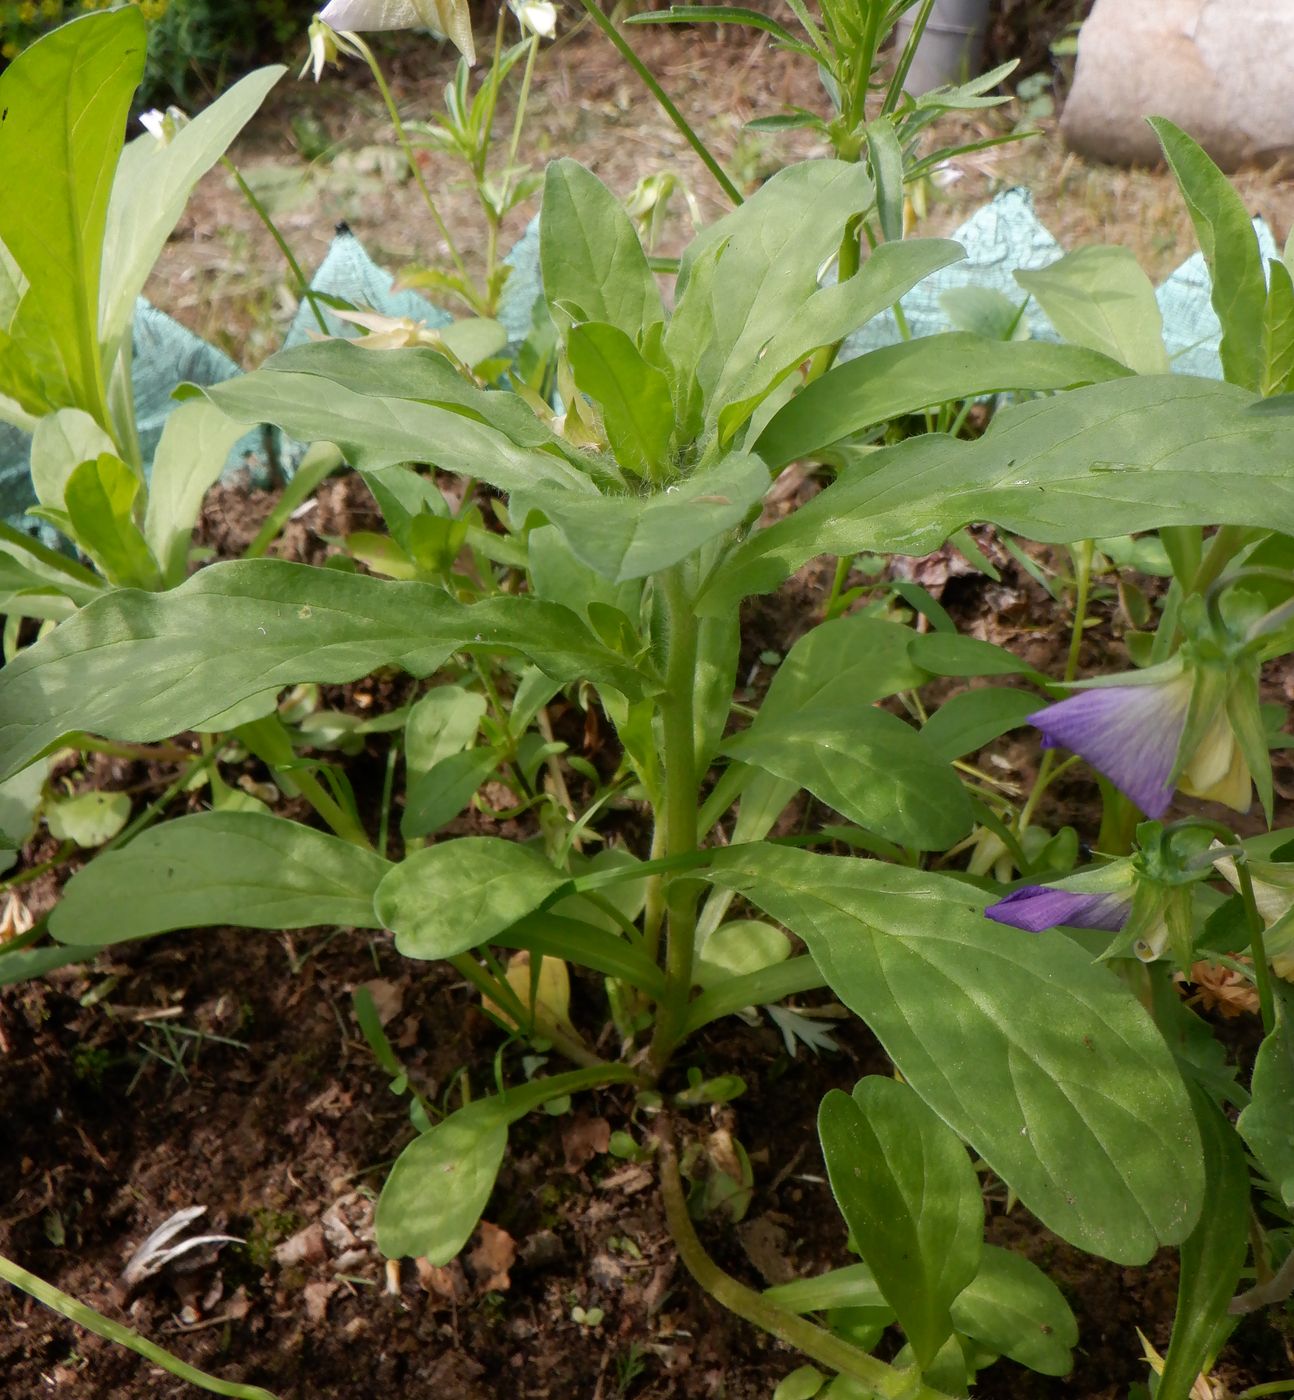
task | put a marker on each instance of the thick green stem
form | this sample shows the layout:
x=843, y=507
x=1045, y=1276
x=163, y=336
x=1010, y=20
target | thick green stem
x=681, y=800
x=796, y=1331
x=105, y=1327
x=1223, y=548
x=594, y=11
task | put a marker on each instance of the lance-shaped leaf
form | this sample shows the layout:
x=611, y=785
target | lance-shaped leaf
x=917, y=374
x=1042, y=1060
x=1230, y=247
x=628, y=537
x=457, y=895
x=195, y=445
x=245, y=869
x=423, y=412
x=637, y=409
x=910, y=1197
x=869, y=766
x=1159, y=449
x=1278, y=332
x=65, y=103
x=594, y=268
x=1100, y=297
x=966, y=722
x=143, y=666
x=826, y=317
x=99, y=496
x=152, y=185
x=759, y=264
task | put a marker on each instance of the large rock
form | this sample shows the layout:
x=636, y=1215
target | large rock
x=1221, y=69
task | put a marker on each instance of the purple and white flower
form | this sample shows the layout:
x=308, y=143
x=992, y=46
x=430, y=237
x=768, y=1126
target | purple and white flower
x=1133, y=732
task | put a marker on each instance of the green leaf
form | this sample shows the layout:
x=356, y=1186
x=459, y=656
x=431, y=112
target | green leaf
x=826, y=317
x=1042, y=1060
x=983, y=311
x=1157, y=449
x=863, y=658
x=66, y=101
x=152, y=185
x=241, y=868
x=1013, y=1308
x=1265, y=1123
x=438, y=795
x=948, y=654
x=759, y=264
x=905, y=378
x=724, y=14
x=61, y=442
x=556, y=574
x=144, y=666
x=594, y=268
x=469, y=431
x=910, y=1197
x=443, y=722
x=738, y=949
x=440, y=1184
x=89, y=818
x=456, y=895
x=100, y=499
x=442, y=1180
x=1099, y=297
x=869, y=766
x=854, y=1286
x=629, y=537
x=1278, y=332
x=1212, y=1257
x=885, y=157
x=586, y=944
x=193, y=450
x=966, y=722
x=637, y=409
x=1230, y=247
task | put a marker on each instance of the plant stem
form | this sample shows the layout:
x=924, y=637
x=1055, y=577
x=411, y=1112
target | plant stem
x=303, y=286
x=1262, y=977
x=680, y=809
x=1082, y=556
x=403, y=138
x=594, y=11
x=796, y=1331
x=102, y=1326
x=1223, y=547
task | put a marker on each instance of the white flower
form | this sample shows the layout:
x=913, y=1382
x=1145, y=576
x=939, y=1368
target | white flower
x=537, y=16
x=326, y=46
x=447, y=17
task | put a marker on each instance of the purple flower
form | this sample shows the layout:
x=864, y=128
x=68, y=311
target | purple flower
x=1038, y=907
x=1130, y=733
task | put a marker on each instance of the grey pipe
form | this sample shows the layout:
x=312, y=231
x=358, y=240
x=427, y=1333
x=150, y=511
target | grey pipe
x=950, y=48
